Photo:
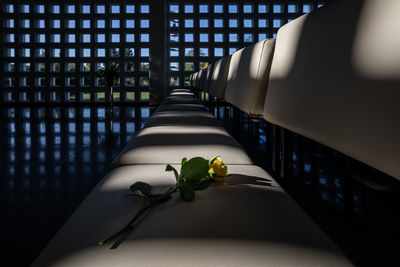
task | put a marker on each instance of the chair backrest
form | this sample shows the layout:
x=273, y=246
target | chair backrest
x=248, y=75
x=196, y=79
x=191, y=79
x=337, y=81
x=219, y=77
x=202, y=75
x=207, y=78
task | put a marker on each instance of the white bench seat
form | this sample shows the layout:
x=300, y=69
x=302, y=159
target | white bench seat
x=169, y=144
x=249, y=221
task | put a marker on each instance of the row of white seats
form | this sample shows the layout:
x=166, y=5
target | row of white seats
x=249, y=220
x=340, y=91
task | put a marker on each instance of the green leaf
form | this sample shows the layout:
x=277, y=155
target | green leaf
x=141, y=189
x=187, y=192
x=194, y=170
x=202, y=185
x=170, y=168
x=184, y=160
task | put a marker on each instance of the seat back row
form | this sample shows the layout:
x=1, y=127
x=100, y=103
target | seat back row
x=341, y=92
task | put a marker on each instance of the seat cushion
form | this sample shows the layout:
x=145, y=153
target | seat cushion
x=182, y=107
x=169, y=144
x=199, y=118
x=248, y=221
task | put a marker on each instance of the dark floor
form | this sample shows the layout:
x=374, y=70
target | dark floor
x=50, y=158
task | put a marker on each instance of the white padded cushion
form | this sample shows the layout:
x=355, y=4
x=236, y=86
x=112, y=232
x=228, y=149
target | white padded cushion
x=249, y=221
x=342, y=91
x=201, y=77
x=219, y=77
x=169, y=144
x=248, y=76
x=196, y=80
x=200, y=118
x=207, y=77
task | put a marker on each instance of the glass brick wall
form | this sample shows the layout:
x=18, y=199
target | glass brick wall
x=53, y=52
x=201, y=32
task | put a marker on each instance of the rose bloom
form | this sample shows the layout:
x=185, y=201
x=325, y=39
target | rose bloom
x=219, y=168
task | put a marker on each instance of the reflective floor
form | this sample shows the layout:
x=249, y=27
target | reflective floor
x=50, y=159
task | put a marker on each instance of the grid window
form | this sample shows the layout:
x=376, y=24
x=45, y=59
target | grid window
x=130, y=9
x=174, y=23
x=218, y=9
x=115, y=38
x=9, y=8
x=218, y=23
x=262, y=23
x=71, y=38
x=293, y=8
x=85, y=52
x=218, y=37
x=203, y=9
x=25, y=9
x=40, y=24
x=233, y=37
x=144, y=9
x=115, y=52
x=189, y=66
x=144, y=66
x=100, y=9
x=70, y=24
x=130, y=52
x=144, y=23
x=115, y=24
x=277, y=9
x=10, y=38
x=85, y=9
x=101, y=38
x=40, y=9
x=307, y=8
x=55, y=9
x=100, y=23
x=174, y=9
x=189, y=9
x=85, y=24
x=56, y=38
x=203, y=23
x=86, y=38
x=144, y=52
x=189, y=37
x=174, y=37
x=100, y=52
x=70, y=9
x=130, y=24
x=174, y=66
x=248, y=37
x=203, y=52
x=218, y=52
x=262, y=9
x=233, y=23
x=130, y=38
x=203, y=37
x=233, y=9
x=248, y=23
x=144, y=37
x=115, y=9
x=189, y=23
x=247, y=9
x=174, y=52
x=189, y=52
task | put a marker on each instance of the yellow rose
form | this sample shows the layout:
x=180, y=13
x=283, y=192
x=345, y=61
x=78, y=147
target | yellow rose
x=218, y=167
